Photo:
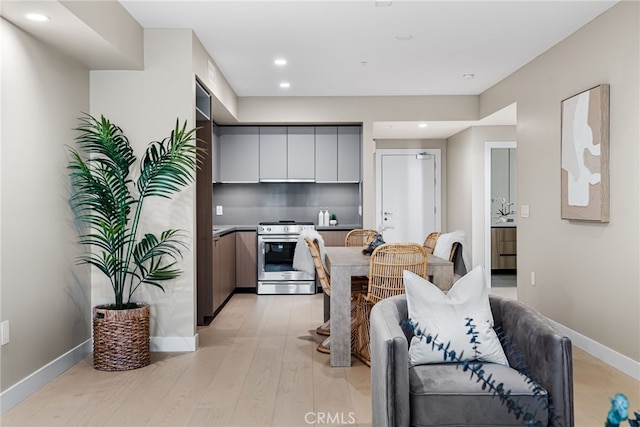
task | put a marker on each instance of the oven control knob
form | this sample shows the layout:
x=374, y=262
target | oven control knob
x=286, y=229
x=268, y=228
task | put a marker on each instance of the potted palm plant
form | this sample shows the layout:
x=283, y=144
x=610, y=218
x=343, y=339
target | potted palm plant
x=107, y=203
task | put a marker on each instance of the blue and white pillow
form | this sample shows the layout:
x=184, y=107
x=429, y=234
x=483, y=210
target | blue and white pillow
x=445, y=315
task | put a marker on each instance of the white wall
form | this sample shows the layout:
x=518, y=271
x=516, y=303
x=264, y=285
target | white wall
x=460, y=176
x=146, y=104
x=45, y=296
x=587, y=274
x=465, y=174
x=224, y=100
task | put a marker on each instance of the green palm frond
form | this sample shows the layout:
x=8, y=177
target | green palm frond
x=100, y=182
x=150, y=254
x=103, y=138
x=169, y=165
x=151, y=246
x=104, y=199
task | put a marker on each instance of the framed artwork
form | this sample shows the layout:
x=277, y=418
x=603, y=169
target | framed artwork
x=585, y=155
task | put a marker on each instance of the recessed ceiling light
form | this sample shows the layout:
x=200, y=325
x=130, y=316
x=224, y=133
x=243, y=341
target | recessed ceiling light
x=468, y=76
x=422, y=125
x=285, y=85
x=404, y=37
x=280, y=62
x=38, y=17
x=382, y=3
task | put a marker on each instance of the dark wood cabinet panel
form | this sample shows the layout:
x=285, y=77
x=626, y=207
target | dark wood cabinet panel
x=333, y=238
x=246, y=259
x=504, y=248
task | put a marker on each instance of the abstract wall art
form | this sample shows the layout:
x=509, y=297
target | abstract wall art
x=585, y=155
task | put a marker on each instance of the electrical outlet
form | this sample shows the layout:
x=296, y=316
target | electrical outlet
x=219, y=210
x=4, y=333
x=533, y=278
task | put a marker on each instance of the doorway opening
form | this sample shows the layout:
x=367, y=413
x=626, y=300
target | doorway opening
x=501, y=213
x=408, y=193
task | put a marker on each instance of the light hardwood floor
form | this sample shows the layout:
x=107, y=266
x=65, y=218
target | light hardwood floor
x=256, y=366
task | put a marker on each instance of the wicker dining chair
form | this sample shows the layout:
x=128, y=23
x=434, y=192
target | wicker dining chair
x=430, y=242
x=323, y=278
x=359, y=237
x=325, y=282
x=386, y=268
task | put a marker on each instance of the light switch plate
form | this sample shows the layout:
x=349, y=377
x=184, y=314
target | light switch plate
x=524, y=211
x=4, y=333
x=219, y=210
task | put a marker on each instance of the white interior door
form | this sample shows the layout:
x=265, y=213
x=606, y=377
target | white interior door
x=408, y=199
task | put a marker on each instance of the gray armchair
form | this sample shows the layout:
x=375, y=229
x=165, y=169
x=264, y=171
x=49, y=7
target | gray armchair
x=444, y=395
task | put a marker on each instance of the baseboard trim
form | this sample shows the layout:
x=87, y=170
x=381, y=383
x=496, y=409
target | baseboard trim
x=29, y=385
x=174, y=344
x=599, y=351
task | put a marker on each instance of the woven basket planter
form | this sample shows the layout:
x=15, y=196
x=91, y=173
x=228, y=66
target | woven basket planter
x=120, y=338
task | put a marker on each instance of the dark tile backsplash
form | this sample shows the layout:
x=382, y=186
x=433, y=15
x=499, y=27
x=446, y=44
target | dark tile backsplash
x=245, y=204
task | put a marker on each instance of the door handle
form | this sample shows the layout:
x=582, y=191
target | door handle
x=388, y=213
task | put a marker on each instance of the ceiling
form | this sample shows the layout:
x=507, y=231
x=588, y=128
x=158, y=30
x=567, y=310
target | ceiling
x=367, y=48
x=355, y=48
x=346, y=48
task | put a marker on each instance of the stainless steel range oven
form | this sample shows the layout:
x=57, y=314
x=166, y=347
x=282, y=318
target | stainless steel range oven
x=276, y=246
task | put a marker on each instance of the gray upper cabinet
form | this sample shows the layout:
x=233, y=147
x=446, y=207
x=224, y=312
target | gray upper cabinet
x=247, y=154
x=273, y=153
x=349, y=154
x=327, y=154
x=287, y=153
x=301, y=144
x=338, y=154
x=239, y=153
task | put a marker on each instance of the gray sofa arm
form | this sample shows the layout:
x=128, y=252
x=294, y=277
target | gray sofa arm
x=389, y=364
x=546, y=353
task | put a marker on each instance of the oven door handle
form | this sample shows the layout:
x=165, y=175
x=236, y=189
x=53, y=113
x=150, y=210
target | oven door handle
x=288, y=239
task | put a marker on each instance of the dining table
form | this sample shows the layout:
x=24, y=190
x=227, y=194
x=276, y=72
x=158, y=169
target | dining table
x=345, y=262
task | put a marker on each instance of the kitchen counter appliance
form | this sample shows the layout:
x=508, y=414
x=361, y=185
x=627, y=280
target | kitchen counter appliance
x=276, y=247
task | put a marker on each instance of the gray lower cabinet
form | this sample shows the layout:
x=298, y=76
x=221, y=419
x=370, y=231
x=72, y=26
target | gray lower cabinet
x=338, y=154
x=239, y=154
